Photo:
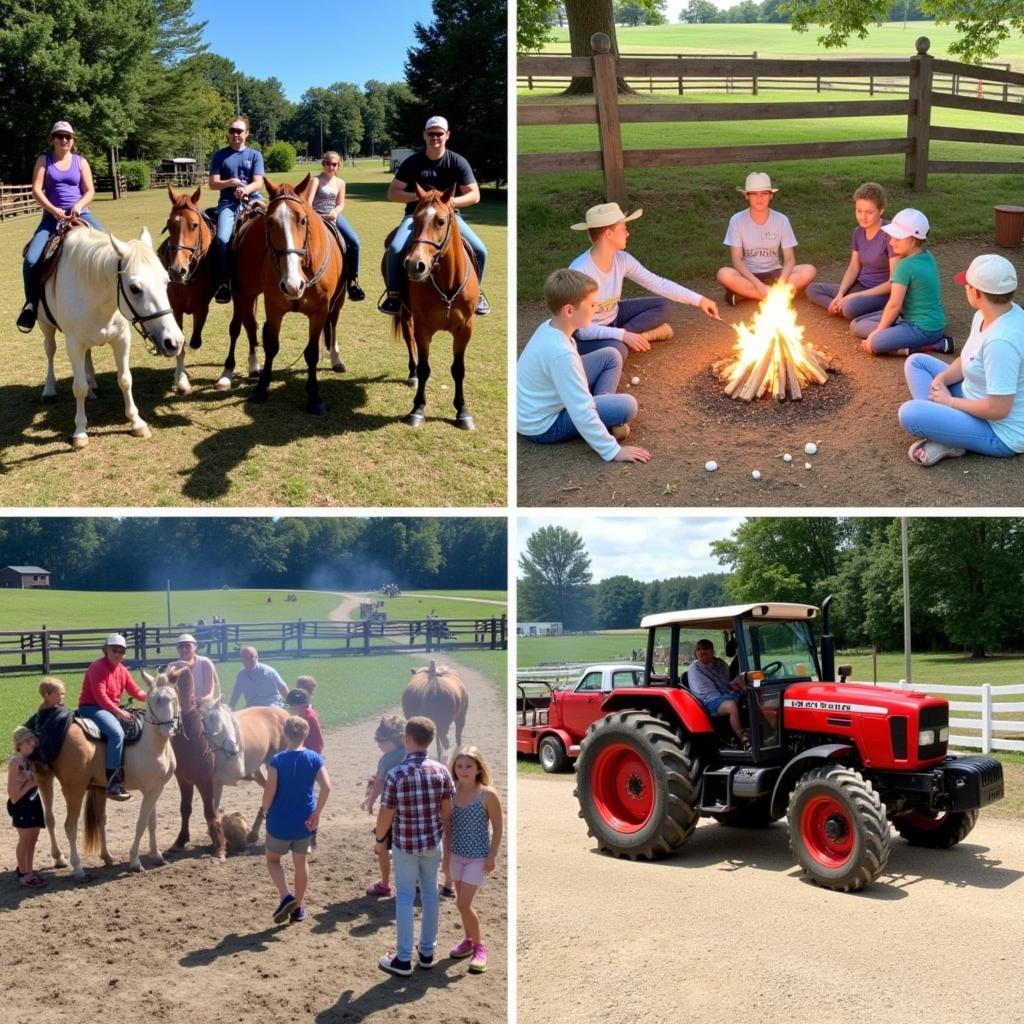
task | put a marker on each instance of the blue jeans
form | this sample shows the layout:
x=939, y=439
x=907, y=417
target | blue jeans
x=111, y=729
x=226, y=216
x=46, y=228
x=634, y=315
x=603, y=369
x=402, y=237
x=410, y=868
x=902, y=334
x=854, y=305
x=352, y=243
x=952, y=427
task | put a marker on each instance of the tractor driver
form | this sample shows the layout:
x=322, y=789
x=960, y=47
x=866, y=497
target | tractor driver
x=709, y=680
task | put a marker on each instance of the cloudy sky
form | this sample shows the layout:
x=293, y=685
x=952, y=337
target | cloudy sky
x=644, y=547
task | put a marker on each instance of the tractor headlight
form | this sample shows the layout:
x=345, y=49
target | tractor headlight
x=944, y=734
x=926, y=737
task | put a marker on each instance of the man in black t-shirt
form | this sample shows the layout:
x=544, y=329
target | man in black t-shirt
x=437, y=167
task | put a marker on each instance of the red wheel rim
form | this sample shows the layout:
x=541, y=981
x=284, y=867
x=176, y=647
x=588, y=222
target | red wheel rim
x=827, y=831
x=623, y=788
x=924, y=821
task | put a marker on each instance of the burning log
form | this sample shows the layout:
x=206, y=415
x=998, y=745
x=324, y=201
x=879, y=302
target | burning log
x=771, y=354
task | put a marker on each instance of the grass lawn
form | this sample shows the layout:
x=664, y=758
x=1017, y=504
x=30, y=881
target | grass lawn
x=212, y=448
x=441, y=605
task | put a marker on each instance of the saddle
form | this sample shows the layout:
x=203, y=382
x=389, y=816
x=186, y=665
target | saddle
x=246, y=214
x=336, y=234
x=132, y=728
x=47, y=265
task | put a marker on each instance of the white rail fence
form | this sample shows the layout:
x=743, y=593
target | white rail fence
x=977, y=713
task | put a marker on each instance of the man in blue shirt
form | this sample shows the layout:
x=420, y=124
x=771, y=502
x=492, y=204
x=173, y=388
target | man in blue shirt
x=259, y=684
x=438, y=168
x=237, y=173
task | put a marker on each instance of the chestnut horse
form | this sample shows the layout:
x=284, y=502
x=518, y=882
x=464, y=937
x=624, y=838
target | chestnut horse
x=298, y=267
x=79, y=767
x=191, y=261
x=441, y=295
x=439, y=694
x=194, y=764
x=243, y=743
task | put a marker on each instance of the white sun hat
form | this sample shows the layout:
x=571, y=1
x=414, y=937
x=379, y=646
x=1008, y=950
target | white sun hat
x=604, y=215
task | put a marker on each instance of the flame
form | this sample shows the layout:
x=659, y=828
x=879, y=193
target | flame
x=770, y=354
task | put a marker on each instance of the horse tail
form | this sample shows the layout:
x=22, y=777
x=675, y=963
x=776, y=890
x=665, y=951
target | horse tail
x=92, y=821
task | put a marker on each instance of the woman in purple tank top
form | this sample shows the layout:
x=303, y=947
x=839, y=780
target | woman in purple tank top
x=62, y=186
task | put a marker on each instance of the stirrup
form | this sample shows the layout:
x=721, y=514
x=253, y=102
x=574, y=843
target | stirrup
x=26, y=318
x=390, y=303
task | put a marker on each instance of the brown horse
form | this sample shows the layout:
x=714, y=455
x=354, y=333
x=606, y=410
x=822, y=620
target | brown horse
x=439, y=694
x=79, y=767
x=194, y=764
x=191, y=261
x=441, y=295
x=298, y=267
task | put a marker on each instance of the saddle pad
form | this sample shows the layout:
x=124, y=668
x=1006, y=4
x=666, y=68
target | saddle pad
x=132, y=729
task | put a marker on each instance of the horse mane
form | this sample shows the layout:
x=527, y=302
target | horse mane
x=97, y=259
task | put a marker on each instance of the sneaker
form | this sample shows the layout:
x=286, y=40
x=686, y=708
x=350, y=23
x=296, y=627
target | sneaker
x=223, y=294
x=378, y=889
x=26, y=318
x=298, y=915
x=391, y=304
x=116, y=790
x=620, y=432
x=425, y=963
x=446, y=891
x=355, y=293
x=463, y=949
x=483, y=307
x=32, y=881
x=284, y=908
x=390, y=964
x=731, y=298
x=479, y=962
x=663, y=332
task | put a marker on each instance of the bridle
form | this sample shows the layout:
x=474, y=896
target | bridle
x=174, y=720
x=222, y=747
x=442, y=248
x=196, y=252
x=303, y=253
x=138, y=321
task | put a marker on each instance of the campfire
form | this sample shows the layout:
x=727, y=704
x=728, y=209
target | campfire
x=771, y=356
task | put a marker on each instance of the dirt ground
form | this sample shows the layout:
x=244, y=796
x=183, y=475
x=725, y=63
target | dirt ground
x=193, y=941
x=685, y=420
x=729, y=929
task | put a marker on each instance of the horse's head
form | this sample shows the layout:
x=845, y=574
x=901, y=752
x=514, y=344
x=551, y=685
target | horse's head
x=189, y=235
x=142, y=294
x=433, y=221
x=163, y=709
x=180, y=677
x=289, y=222
x=218, y=726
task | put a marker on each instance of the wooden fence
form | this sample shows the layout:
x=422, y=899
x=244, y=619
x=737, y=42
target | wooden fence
x=16, y=200
x=48, y=650
x=608, y=115
x=973, y=721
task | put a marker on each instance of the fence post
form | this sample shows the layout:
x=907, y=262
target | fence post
x=366, y=637
x=606, y=96
x=46, y=650
x=140, y=649
x=871, y=85
x=986, y=718
x=298, y=637
x=919, y=118
x=754, y=77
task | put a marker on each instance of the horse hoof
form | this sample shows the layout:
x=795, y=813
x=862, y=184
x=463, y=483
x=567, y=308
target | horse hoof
x=142, y=431
x=316, y=409
x=136, y=868
x=183, y=389
x=412, y=382
x=415, y=419
x=49, y=399
x=59, y=862
x=258, y=396
x=223, y=384
x=465, y=423
x=254, y=373
x=196, y=343
x=338, y=367
x=159, y=861
x=79, y=441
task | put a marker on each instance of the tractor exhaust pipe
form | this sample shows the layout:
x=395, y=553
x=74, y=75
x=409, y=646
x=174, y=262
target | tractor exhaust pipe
x=828, y=643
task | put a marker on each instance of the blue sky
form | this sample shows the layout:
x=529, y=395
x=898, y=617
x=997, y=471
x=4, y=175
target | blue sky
x=316, y=44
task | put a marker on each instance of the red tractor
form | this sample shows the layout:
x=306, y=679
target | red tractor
x=840, y=760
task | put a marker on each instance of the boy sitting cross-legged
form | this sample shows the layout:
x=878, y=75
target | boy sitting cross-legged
x=561, y=394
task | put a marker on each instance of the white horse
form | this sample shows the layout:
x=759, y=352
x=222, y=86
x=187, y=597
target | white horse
x=148, y=767
x=242, y=744
x=101, y=289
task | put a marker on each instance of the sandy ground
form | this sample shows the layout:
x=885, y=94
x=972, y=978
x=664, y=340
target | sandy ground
x=729, y=929
x=193, y=941
x=685, y=420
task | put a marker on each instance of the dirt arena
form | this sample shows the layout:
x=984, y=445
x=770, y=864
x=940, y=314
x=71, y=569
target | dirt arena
x=194, y=941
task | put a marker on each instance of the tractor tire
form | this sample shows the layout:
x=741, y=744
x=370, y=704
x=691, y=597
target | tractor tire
x=940, y=831
x=751, y=814
x=637, y=784
x=551, y=754
x=838, y=830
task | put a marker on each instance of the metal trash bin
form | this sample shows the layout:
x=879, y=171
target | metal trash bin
x=1009, y=226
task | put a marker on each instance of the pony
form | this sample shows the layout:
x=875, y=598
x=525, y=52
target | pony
x=79, y=768
x=441, y=295
x=191, y=261
x=243, y=743
x=439, y=694
x=194, y=764
x=101, y=288
x=297, y=266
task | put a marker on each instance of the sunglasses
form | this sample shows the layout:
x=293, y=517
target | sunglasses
x=236, y=131
x=435, y=135
x=63, y=136
x=326, y=164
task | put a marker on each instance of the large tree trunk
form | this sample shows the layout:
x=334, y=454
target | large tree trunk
x=586, y=17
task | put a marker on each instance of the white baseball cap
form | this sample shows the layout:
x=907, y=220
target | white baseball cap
x=989, y=273
x=757, y=181
x=908, y=223
x=116, y=640
x=435, y=122
x=604, y=215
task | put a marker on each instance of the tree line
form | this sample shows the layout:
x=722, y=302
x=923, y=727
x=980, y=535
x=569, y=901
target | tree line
x=966, y=580
x=87, y=553
x=135, y=75
x=750, y=12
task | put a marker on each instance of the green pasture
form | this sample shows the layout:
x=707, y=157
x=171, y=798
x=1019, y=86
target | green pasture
x=213, y=448
x=439, y=605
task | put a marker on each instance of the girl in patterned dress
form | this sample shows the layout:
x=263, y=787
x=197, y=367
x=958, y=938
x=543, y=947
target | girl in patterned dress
x=470, y=853
x=24, y=805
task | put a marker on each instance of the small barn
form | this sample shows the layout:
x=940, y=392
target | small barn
x=24, y=577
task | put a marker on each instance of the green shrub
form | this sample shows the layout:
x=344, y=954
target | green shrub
x=137, y=174
x=279, y=157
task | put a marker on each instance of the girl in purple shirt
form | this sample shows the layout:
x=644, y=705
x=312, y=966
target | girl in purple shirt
x=62, y=185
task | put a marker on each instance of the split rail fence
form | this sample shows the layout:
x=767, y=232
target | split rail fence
x=608, y=114
x=54, y=650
